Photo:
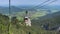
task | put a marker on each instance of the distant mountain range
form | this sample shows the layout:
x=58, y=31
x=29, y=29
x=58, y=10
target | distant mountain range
x=51, y=7
x=14, y=9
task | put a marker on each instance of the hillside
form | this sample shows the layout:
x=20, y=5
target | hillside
x=52, y=19
x=38, y=17
x=16, y=28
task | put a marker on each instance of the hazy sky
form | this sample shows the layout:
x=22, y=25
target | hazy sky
x=25, y=2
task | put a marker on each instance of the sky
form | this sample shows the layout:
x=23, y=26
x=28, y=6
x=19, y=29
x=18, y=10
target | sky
x=26, y=2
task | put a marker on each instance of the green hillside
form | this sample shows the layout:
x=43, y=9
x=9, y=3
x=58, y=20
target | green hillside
x=39, y=17
x=17, y=26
